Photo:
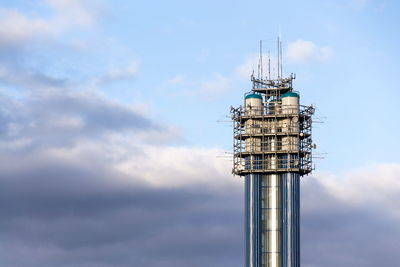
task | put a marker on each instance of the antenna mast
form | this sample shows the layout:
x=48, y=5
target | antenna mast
x=278, y=59
x=259, y=65
x=280, y=54
x=269, y=65
x=262, y=72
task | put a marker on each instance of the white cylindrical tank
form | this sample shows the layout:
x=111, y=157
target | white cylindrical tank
x=290, y=103
x=253, y=104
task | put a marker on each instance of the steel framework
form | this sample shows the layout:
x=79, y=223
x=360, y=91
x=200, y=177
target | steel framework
x=270, y=125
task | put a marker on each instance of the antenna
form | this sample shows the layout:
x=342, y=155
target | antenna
x=278, y=58
x=261, y=59
x=269, y=65
x=260, y=62
x=281, y=61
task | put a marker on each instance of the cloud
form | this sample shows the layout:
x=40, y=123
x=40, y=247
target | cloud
x=351, y=220
x=302, y=51
x=75, y=12
x=12, y=75
x=70, y=125
x=91, y=192
x=17, y=28
x=117, y=202
x=58, y=117
x=116, y=74
x=30, y=43
x=177, y=79
x=19, y=75
x=186, y=166
x=80, y=214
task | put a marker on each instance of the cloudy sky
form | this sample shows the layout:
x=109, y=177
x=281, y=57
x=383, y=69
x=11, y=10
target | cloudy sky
x=115, y=137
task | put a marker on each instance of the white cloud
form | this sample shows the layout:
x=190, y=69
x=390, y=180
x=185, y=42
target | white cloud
x=302, y=51
x=177, y=79
x=172, y=167
x=377, y=185
x=127, y=72
x=17, y=28
x=76, y=12
x=143, y=161
x=351, y=219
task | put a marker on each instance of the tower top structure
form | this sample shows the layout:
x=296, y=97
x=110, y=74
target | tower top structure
x=275, y=117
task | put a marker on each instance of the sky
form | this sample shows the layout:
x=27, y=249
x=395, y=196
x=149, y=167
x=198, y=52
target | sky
x=116, y=138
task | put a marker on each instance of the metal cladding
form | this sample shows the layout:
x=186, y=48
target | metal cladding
x=272, y=150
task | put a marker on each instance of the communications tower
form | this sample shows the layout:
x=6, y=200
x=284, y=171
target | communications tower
x=272, y=150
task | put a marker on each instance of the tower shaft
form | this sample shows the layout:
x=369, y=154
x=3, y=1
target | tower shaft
x=272, y=220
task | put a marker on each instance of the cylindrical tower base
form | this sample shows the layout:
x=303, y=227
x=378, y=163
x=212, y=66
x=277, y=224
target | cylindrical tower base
x=272, y=220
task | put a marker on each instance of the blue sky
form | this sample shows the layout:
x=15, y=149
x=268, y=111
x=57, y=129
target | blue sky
x=114, y=112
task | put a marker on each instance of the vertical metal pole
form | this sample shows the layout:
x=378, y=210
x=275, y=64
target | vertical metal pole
x=278, y=59
x=269, y=65
x=281, y=61
x=261, y=60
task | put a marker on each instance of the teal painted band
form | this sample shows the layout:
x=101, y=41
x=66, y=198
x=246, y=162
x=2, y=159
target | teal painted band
x=253, y=96
x=290, y=94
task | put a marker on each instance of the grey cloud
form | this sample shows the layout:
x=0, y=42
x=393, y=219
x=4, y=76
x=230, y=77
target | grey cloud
x=23, y=79
x=58, y=212
x=120, y=74
x=80, y=216
x=63, y=116
x=97, y=112
x=336, y=233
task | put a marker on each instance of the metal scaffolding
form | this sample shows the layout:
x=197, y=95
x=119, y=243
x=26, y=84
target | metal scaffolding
x=272, y=139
